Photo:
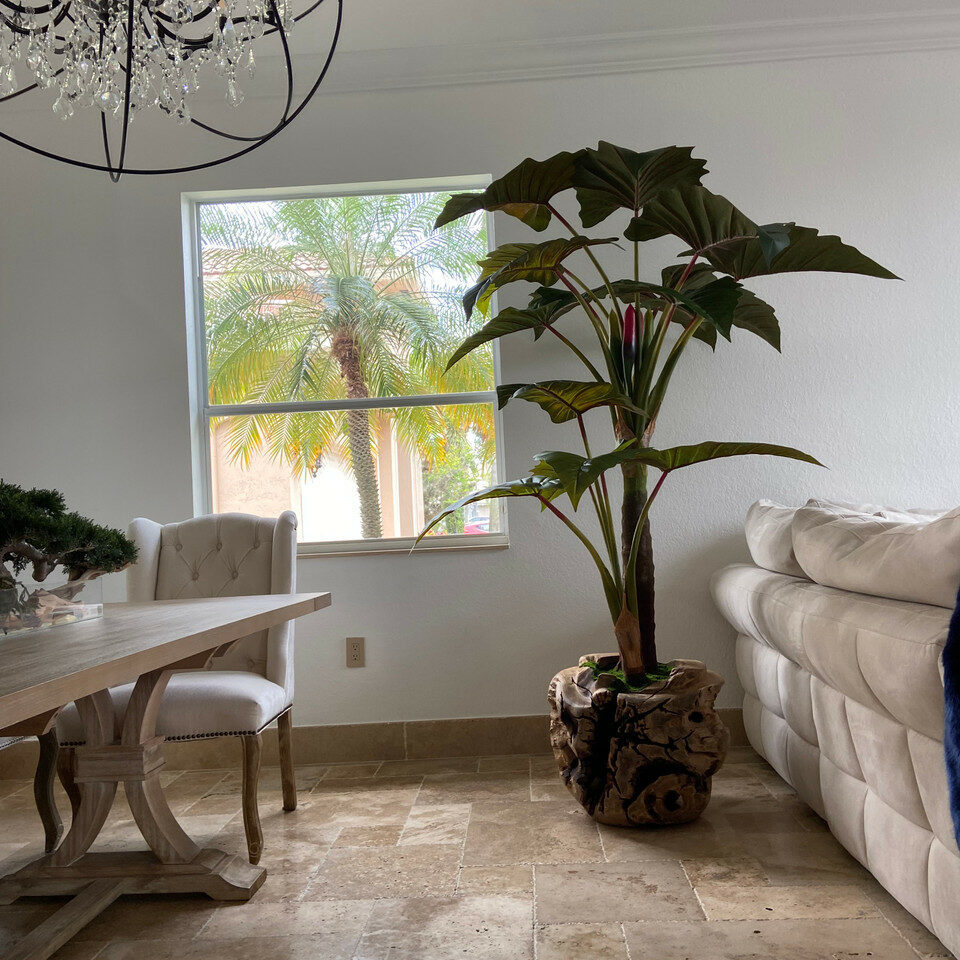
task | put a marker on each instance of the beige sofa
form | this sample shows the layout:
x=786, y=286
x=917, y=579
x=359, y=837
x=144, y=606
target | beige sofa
x=843, y=692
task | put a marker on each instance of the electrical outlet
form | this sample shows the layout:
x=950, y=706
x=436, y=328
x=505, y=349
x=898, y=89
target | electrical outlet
x=356, y=655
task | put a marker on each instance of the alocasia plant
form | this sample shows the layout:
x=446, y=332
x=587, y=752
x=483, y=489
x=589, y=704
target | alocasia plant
x=642, y=329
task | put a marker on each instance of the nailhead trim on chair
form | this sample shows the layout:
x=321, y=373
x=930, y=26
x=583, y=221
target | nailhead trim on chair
x=196, y=736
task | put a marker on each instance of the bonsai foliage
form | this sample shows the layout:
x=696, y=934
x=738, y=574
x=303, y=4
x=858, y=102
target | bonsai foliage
x=642, y=328
x=36, y=531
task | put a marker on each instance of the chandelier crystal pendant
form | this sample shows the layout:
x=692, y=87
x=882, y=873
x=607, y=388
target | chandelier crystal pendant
x=113, y=60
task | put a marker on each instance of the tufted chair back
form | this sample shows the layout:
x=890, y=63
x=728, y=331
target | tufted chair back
x=223, y=555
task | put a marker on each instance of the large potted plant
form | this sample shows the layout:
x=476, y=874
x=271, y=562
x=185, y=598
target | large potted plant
x=38, y=536
x=637, y=741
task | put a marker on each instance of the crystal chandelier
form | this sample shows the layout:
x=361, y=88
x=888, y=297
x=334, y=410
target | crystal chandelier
x=117, y=59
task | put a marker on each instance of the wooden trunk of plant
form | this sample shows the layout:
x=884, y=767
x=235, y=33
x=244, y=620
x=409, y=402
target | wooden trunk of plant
x=640, y=329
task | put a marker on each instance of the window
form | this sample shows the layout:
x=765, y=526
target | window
x=323, y=326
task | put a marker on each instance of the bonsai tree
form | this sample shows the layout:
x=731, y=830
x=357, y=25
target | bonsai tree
x=642, y=328
x=36, y=531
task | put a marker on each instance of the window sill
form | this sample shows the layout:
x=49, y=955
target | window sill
x=404, y=545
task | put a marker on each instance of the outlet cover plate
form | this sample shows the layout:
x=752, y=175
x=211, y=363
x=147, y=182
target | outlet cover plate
x=356, y=654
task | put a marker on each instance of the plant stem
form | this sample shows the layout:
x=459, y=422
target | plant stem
x=644, y=514
x=638, y=571
x=660, y=387
x=686, y=273
x=601, y=504
x=597, y=324
x=593, y=259
x=578, y=352
x=609, y=587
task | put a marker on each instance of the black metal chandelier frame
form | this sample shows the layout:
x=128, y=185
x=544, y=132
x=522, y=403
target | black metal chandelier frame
x=58, y=11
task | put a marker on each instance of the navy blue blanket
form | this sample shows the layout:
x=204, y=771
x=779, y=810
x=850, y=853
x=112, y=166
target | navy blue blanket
x=951, y=732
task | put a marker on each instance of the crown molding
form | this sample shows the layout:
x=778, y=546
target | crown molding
x=440, y=65
x=782, y=40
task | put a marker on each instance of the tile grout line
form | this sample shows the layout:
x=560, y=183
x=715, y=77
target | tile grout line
x=463, y=849
x=533, y=875
x=890, y=924
x=694, y=889
x=603, y=848
x=533, y=897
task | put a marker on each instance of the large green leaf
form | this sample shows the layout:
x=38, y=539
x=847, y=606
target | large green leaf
x=750, y=313
x=558, y=299
x=807, y=250
x=565, y=400
x=715, y=229
x=546, y=488
x=698, y=217
x=611, y=178
x=507, y=321
x=535, y=262
x=757, y=317
x=676, y=457
x=567, y=469
x=576, y=473
x=523, y=193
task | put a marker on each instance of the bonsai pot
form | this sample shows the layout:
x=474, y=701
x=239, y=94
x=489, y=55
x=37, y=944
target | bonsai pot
x=638, y=757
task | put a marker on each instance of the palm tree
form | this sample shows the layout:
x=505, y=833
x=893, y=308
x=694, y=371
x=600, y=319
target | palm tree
x=333, y=298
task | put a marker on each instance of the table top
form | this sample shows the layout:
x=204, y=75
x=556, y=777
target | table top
x=45, y=669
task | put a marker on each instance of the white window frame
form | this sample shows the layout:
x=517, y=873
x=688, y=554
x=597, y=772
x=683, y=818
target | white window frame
x=201, y=410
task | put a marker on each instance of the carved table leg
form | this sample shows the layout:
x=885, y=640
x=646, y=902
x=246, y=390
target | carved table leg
x=66, y=761
x=145, y=796
x=43, y=790
x=96, y=798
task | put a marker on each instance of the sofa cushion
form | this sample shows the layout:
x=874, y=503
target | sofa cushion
x=904, y=556
x=885, y=654
x=770, y=538
x=903, y=514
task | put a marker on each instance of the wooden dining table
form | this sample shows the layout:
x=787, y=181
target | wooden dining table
x=42, y=671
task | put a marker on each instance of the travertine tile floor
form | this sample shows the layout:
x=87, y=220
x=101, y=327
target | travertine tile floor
x=490, y=859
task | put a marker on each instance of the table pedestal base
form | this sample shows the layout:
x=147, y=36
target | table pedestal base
x=221, y=876
x=97, y=879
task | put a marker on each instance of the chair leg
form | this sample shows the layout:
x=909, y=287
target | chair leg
x=65, y=759
x=288, y=776
x=251, y=814
x=43, y=790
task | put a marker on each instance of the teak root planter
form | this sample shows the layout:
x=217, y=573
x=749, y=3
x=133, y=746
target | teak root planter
x=638, y=758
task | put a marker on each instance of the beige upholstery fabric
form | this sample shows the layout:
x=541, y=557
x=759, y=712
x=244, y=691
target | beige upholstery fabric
x=222, y=555
x=844, y=697
x=917, y=559
x=770, y=538
x=200, y=703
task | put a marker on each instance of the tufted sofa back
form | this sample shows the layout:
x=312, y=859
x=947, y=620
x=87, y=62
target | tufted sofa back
x=223, y=555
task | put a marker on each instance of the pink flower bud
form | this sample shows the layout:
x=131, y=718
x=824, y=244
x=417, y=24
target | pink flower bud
x=630, y=335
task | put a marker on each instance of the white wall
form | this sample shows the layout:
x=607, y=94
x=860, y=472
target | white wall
x=93, y=377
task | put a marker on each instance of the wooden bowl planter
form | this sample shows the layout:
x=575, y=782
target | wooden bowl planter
x=638, y=758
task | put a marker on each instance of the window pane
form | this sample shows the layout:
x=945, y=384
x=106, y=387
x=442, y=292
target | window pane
x=334, y=297
x=359, y=474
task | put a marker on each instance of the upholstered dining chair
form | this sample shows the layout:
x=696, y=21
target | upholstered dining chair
x=247, y=687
